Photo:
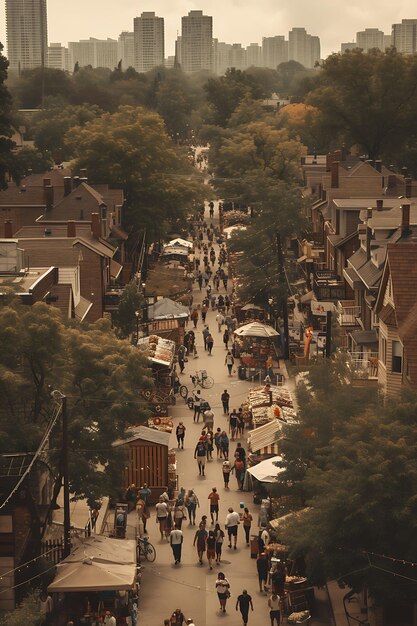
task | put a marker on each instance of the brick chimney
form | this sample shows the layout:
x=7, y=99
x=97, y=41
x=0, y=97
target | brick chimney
x=405, y=220
x=404, y=171
x=83, y=173
x=47, y=182
x=67, y=185
x=329, y=159
x=48, y=192
x=408, y=182
x=368, y=242
x=378, y=166
x=379, y=205
x=8, y=229
x=95, y=225
x=369, y=214
x=71, y=229
x=76, y=181
x=335, y=174
x=337, y=155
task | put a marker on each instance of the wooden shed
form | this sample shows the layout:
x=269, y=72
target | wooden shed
x=148, y=459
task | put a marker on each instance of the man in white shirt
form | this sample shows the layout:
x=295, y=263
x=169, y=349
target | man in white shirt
x=265, y=537
x=197, y=405
x=109, y=619
x=274, y=604
x=232, y=522
x=176, y=539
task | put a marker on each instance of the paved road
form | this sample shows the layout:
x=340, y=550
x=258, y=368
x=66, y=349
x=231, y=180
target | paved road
x=190, y=586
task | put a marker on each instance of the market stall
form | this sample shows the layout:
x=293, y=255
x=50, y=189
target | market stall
x=148, y=459
x=160, y=353
x=250, y=312
x=267, y=403
x=265, y=439
x=254, y=343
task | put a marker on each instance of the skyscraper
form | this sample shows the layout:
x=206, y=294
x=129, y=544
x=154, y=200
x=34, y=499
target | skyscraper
x=149, y=41
x=274, y=51
x=27, y=34
x=303, y=47
x=370, y=38
x=126, y=49
x=197, y=42
x=404, y=36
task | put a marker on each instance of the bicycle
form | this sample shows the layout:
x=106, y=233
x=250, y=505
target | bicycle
x=201, y=379
x=146, y=549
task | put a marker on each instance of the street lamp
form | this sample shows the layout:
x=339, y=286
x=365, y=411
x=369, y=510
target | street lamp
x=145, y=310
x=137, y=313
x=271, y=302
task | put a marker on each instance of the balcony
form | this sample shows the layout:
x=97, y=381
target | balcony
x=328, y=286
x=112, y=297
x=364, y=365
x=347, y=313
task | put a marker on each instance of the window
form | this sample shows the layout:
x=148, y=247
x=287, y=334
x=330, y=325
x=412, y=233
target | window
x=397, y=357
x=383, y=350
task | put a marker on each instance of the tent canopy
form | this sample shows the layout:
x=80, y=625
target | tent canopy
x=266, y=471
x=97, y=564
x=179, y=241
x=251, y=307
x=265, y=435
x=167, y=309
x=256, y=329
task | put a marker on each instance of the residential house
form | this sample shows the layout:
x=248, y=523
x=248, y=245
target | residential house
x=396, y=307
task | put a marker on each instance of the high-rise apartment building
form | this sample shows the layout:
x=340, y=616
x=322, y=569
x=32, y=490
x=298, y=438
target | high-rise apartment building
x=149, y=41
x=404, y=36
x=27, y=34
x=126, y=49
x=274, y=51
x=370, y=38
x=58, y=57
x=254, y=55
x=196, y=42
x=94, y=52
x=303, y=48
x=350, y=45
x=222, y=57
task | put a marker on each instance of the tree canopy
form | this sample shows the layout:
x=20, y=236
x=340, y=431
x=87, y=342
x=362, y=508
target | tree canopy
x=131, y=148
x=101, y=376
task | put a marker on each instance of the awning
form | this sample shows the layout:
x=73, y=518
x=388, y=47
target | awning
x=282, y=522
x=267, y=471
x=256, y=329
x=307, y=297
x=301, y=259
x=181, y=242
x=251, y=307
x=82, y=308
x=167, y=309
x=265, y=436
x=115, y=269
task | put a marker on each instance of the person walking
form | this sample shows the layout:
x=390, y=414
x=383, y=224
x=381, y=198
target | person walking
x=131, y=497
x=217, y=443
x=181, y=357
x=226, y=338
x=211, y=209
x=210, y=343
x=226, y=469
x=197, y=405
x=224, y=445
x=274, y=604
x=239, y=469
x=194, y=317
x=191, y=503
x=232, y=523
x=220, y=320
x=262, y=567
x=243, y=602
x=143, y=514
x=229, y=361
x=247, y=523
x=223, y=590
x=200, y=454
x=240, y=423
x=225, y=398
x=180, y=433
x=161, y=515
x=176, y=539
x=240, y=453
x=200, y=280
x=179, y=514
x=208, y=418
x=219, y=534
x=211, y=548
x=214, y=504
x=204, y=310
x=205, y=334
x=233, y=424
x=209, y=442
x=177, y=618
x=200, y=540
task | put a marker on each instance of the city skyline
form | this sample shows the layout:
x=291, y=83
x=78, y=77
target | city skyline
x=237, y=22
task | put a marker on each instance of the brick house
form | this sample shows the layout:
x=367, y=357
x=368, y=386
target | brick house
x=396, y=309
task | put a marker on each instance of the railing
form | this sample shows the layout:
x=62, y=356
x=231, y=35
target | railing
x=347, y=313
x=365, y=364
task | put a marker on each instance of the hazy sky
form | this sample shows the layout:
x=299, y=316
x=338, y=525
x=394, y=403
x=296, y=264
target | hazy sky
x=240, y=21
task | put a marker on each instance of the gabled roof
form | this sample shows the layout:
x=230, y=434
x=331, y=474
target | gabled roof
x=387, y=315
x=79, y=205
x=145, y=434
x=358, y=259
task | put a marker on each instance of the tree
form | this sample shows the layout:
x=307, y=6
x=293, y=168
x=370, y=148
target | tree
x=29, y=160
x=28, y=613
x=131, y=148
x=131, y=302
x=174, y=104
x=303, y=122
x=362, y=502
x=226, y=92
x=102, y=378
x=368, y=99
x=6, y=144
x=33, y=85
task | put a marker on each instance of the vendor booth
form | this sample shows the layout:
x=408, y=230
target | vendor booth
x=249, y=313
x=254, y=343
x=160, y=353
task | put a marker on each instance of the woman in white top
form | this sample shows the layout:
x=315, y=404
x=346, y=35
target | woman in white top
x=222, y=588
x=161, y=515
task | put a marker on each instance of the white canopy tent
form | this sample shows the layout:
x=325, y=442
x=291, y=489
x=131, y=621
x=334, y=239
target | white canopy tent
x=256, y=329
x=266, y=471
x=180, y=242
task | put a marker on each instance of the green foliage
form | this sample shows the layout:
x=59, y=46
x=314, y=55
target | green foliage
x=31, y=160
x=368, y=99
x=131, y=301
x=101, y=376
x=226, y=92
x=6, y=144
x=363, y=500
x=31, y=86
x=294, y=80
x=131, y=148
x=27, y=613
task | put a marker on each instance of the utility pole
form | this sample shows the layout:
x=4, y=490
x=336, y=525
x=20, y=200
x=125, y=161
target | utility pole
x=284, y=305
x=65, y=478
x=328, y=334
